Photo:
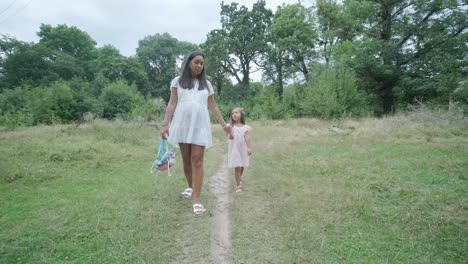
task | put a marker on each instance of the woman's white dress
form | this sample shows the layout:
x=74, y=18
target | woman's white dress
x=191, y=121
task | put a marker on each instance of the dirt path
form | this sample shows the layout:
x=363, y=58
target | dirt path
x=220, y=231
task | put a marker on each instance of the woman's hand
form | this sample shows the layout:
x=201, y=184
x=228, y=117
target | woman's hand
x=227, y=128
x=249, y=151
x=165, y=131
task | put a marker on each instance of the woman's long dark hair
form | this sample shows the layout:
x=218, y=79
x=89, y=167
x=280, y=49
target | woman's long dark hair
x=186, y=80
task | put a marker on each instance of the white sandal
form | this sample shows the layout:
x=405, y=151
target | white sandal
x=187, y=193
x=238, y=189
x=198, y=209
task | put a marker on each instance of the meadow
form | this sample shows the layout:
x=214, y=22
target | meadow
x=388, y=190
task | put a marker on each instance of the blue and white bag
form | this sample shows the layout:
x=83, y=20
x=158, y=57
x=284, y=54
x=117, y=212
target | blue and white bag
x=165, y=158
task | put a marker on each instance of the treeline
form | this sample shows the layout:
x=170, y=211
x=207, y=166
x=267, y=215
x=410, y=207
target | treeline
x=337, y=58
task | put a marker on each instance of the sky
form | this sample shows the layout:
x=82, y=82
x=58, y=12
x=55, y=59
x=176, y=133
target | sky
x=117, y=22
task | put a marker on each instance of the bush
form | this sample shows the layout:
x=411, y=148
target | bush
x=332, y=93
x=269, y=106
x=149, y=110
x=118, y=99
x=15, y=119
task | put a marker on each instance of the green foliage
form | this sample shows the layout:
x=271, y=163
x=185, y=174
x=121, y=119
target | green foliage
x=293, y=98
x=31, y=64
x=461, y=93
x=269, y=106
x=69, y=40
x=118, y=99
x=111, y=65
x=332, y=94
x=15, y=119
x=394, y=52
x=292, y=41
x=61, y=102
x=240, y=41
x=149, y=110
x=159, y=54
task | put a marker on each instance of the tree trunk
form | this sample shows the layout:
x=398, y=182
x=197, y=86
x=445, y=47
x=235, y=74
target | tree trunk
x=279, y=88
x=387, y=97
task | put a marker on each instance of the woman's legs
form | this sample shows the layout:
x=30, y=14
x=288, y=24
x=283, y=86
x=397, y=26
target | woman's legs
x=197, y=155
x=186, y=151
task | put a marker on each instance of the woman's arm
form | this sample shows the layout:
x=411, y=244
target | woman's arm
x=169, y=112
x=215, y=110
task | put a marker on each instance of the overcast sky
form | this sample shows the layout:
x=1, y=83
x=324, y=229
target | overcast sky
x=118, y=22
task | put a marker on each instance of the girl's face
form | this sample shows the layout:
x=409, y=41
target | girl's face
x=236, y=115
x=196, y=65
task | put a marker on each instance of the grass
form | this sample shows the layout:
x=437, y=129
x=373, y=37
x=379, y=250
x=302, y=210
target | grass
x=390, y=190
x=85, y=195
x=383, y=191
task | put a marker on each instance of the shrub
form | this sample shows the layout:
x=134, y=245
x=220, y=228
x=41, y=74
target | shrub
x=332, y=93
x=118, y=99
x=151, y=109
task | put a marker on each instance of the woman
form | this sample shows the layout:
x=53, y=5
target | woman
x=190, y=128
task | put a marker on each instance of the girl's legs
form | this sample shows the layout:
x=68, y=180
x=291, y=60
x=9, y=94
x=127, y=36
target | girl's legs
x=197, y=155
x=238, y=173
x=186, y=151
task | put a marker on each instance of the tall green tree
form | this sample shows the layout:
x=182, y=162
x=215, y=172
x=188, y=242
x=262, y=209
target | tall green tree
x=217, y=54
x=338, y=23
x=243, y=39
x=32, y=64
x=114, y=66
x=292, y=42
x=160, y=54
x=73, y=50
x=408, y=48
x=8, y=47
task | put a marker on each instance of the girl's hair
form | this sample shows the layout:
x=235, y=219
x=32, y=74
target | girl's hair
x=185, y=79
x=242, y=119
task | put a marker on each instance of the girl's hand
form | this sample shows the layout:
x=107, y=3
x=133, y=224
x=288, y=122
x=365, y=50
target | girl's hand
x=249, y=151
x=165, y=131
x=231, y=136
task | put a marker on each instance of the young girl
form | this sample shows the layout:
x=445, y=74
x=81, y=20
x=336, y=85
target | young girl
x=239, y=145
x=190, y=128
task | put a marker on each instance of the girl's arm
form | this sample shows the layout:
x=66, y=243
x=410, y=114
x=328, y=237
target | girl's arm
x=169, y=113
x=215, y=110
x=247, y=141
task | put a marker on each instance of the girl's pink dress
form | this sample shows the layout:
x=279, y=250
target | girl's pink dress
x=237, y=153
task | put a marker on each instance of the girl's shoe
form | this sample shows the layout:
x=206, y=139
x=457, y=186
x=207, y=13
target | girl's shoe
x=238, y=189
x=198, y=209
x=187, y=193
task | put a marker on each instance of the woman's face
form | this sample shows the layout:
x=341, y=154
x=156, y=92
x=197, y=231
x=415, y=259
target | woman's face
x=196, y=65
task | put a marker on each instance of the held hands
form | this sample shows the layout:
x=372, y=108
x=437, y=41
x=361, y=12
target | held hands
x=227, y=129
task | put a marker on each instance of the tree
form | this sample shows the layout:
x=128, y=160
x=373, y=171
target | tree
x=338, y=23
x=159, y=55
x=114, y=66
x=72, y=49
x=31, y=64
x=292, y=42
x=216, y=53
x=8, y=47
x=70, y=40
x=242, y=38
x=407, y=41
